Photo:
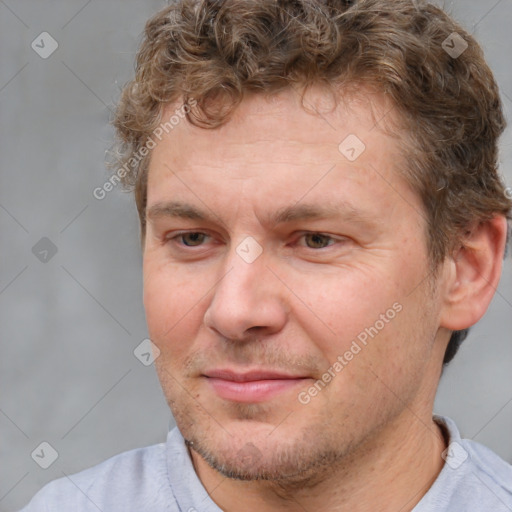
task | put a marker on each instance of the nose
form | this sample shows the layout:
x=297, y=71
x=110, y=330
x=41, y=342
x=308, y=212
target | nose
x=247, y=301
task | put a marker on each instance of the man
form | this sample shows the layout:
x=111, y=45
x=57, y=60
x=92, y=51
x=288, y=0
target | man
x=322, y=221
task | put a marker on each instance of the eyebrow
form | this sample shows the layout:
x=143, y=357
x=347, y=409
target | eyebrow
x=176, y=209
x=287, y=214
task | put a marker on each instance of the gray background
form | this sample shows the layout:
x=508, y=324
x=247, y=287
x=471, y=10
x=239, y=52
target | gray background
x=69, y=326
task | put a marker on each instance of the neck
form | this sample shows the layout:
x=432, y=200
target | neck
x=392, y=471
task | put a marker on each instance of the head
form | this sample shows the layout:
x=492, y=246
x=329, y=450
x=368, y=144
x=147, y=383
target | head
x=297, y=252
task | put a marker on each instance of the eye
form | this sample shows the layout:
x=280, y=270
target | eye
x=317, y=240
x=190, y=238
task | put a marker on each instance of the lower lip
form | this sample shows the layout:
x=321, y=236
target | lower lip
x=252, y=391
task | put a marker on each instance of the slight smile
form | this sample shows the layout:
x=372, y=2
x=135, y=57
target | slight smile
x=252, y=386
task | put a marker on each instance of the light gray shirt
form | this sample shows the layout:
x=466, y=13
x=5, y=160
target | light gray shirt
x=162, y=478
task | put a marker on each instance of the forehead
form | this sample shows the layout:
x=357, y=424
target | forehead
x=319, y=117
x=281, y=143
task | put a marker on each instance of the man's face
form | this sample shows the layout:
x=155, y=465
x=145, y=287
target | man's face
x=271, y=254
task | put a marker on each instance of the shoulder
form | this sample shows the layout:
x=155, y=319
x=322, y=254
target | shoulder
x=133, y=480
x=490, y=472
x=473, y=478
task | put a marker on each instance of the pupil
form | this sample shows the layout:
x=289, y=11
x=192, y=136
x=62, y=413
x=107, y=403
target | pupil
x=318, y=240
x=194, y=238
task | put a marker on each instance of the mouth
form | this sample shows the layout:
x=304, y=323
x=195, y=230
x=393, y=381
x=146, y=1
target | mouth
x=251, y=386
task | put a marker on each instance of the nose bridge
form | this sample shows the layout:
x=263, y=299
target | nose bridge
x=244, y=297
x=244, y=262
x=238, y=282
x=242, y=282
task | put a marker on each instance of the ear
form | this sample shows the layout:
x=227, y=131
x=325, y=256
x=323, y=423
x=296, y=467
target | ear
x=473, y=274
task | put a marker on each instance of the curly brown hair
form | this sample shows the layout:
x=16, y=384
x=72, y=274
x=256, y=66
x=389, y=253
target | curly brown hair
x=208, y=53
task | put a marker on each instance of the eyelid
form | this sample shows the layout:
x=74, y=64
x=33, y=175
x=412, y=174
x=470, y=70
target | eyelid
x=335, y=238
x=172, y=236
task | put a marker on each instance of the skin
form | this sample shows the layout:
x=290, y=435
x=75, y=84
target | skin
x=367, y=440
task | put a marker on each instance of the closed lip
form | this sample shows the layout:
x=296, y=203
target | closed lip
x=252, y=375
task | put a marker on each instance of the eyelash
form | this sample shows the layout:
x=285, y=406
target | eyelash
x=177, y=236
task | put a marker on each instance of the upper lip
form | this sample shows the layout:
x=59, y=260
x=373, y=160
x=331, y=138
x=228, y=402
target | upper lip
x=251, y=375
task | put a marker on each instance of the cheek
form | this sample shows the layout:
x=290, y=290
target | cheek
x=344, y=304
x=172, y=301
x=368, y=318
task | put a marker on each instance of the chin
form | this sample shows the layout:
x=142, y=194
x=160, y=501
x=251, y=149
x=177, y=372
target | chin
x=260, y=453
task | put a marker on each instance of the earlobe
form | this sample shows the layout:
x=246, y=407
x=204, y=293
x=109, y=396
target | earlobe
x=473, y=274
